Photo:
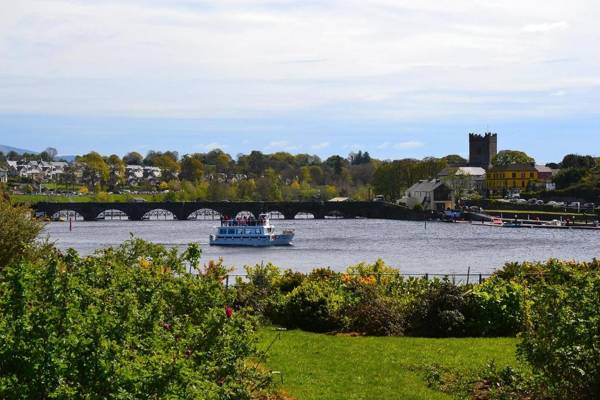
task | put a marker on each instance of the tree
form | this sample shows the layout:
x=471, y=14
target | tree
x=117, y=171
x=454, y=160
x=133, y=158
x=51, y=152
x=509, y=157
x=95, y=170
x=359, y=158
x=17, y=231
x=192, y=168
x=577, y=161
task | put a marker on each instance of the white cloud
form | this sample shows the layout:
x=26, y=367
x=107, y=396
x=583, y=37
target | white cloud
x=281, y=145
x=213, y=146
x=546, y=27
x=406, y=145
x=410, y=144
x=320, y=146
x=370, y=59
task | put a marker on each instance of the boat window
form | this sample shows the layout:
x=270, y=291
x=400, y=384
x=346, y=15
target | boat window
x=231, y=231
x=222, y=231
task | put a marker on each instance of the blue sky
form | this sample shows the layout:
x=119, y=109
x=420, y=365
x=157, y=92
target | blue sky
x=398, y=78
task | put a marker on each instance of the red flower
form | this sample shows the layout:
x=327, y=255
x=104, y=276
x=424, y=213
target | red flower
x=228, y=311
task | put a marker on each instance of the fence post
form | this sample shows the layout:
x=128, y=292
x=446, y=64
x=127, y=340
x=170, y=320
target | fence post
x=480, y=279
x=426, y=277
x=227, y=281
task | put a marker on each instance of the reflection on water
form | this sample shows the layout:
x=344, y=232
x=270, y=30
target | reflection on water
x=410, y=246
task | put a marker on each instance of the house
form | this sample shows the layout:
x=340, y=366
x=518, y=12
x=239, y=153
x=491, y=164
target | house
x=512, y=178
x=138, y=174
x=3, y=175
x=546, y=176
x=467, y=179
x=432, y=195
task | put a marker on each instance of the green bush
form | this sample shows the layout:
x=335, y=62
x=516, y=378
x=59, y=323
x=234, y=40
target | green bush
x=375, y=314
x=495, y=308
x=18, y=231
x=314, y=306
x=439, y=312
x=124, y=323
x=562, y=337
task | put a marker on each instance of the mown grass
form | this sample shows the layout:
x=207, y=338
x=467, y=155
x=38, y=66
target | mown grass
x=317, y=366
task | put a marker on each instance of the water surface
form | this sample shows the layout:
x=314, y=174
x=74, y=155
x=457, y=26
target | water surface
x=410, y=246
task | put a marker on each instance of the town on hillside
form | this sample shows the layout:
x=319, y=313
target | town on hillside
x=430, y=183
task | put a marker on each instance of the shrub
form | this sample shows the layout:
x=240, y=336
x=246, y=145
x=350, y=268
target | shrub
x=374, y=314
x=439, y=312
x=124, y=323
x=562, y=337
x=495, y=308
x=314, y=306
x=18, y=231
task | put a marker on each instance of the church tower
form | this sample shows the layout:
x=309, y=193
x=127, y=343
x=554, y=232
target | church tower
x=482, y=149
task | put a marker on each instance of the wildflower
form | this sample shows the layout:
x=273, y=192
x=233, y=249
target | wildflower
x=228, y=311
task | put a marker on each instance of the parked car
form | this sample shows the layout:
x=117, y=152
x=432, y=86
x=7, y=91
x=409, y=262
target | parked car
x=532, y=201
x=521, y=201
x=589, y=206
x=575, y=205
x=539, y=203
x=552, y=203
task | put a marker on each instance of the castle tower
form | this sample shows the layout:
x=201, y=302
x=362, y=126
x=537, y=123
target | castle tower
x=482, y=148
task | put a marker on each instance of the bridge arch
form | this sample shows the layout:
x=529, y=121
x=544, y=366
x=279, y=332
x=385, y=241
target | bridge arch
x=333, y=214
x=276, y=214
x=158, y=214
x=245, y=213
x=304, y=215
x=112, y=214
x=65, y=215
x=205, y=214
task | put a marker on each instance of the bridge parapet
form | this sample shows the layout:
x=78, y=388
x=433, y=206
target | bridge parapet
x=183, y=210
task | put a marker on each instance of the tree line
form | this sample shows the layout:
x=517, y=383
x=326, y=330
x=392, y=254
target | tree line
x=216, y=175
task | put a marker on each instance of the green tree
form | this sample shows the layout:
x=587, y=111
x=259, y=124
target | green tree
x=95, y=171
x=455, y=160
x=17, y=232
x=509, y=157
x=192, y=168
x=133, y=158
x=117, y=171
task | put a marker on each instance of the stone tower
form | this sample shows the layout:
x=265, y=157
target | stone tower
x=482, y=148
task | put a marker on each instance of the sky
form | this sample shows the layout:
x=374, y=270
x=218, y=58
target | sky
x=397, y=78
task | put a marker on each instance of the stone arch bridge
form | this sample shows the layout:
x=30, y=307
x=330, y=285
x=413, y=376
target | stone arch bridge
x=183, y=210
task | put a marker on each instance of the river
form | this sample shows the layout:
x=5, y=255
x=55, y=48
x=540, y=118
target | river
x=410, y=246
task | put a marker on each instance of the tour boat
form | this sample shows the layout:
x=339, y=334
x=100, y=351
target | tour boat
x=250, y=232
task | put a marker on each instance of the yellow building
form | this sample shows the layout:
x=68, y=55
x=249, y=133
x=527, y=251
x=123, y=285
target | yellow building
x=515, y=177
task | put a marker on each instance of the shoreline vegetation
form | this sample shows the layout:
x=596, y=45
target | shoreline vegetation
x=144, y=321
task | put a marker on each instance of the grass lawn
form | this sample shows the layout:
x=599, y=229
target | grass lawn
x=317, y=366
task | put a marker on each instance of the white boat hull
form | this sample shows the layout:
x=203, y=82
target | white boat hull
x=257, y=241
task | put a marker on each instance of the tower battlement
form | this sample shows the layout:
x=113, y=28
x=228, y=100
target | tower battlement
x=482, y=149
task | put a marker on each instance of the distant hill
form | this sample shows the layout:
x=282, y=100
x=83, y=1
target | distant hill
x=66, y=158
x=6, y=149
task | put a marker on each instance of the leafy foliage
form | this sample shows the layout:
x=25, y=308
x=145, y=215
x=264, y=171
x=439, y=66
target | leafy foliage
x=18, y=231
x=508, y=157
x=129, y=322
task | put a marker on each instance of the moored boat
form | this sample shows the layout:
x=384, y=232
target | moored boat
x=250, y=232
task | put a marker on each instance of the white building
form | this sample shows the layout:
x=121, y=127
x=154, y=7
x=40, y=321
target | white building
x=432, y=195
x=3, y=175
x=464, y=178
